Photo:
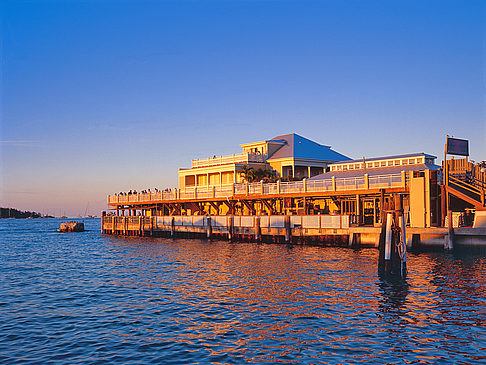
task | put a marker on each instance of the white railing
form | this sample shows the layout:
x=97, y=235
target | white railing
x=224, y=160
x=385, y=181
x=278, y=188
x=222, y=223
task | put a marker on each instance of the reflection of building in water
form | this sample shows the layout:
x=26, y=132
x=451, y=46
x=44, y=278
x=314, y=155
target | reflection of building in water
x=462, y=282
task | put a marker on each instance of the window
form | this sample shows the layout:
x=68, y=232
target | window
x=404, y=162
x=383, y=163
x=377, y=164
x=390, y=163
x=411, y=161
x=397, y=162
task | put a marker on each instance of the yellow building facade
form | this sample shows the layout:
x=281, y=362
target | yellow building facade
x=288, y=156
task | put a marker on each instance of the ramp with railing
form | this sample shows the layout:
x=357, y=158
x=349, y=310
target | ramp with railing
x=466, y=181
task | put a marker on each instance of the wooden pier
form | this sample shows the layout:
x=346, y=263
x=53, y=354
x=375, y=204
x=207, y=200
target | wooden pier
x=359, y=197
x=321, y=230
x=342, y=209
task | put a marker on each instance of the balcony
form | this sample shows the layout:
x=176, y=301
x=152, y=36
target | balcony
x=226, y=160
x=363, y=183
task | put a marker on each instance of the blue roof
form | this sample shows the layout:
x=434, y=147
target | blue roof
x=300, y=147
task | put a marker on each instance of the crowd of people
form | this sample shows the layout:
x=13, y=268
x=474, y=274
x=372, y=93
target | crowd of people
x=147, y=191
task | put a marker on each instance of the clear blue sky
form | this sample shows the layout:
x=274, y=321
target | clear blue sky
x=103, y=96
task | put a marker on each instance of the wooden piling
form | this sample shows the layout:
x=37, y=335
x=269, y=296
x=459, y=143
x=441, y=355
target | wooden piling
x=209, y=228
x=388, y=241
x=288, y=231
x=230, y=227
x=258, y=234
x=449, y=242
x=103, y=215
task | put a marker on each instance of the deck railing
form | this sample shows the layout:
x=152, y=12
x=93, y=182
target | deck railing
x=224, y=160
x=279, y=188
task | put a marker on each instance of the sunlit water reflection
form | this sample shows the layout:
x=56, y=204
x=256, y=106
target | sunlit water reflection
x=87, y=298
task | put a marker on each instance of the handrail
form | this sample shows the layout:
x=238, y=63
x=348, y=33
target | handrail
x=223, y=160
x=226, y=191
x=465, y=185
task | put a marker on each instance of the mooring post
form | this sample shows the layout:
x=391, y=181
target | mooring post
x=103, y=215
x=350, y=239
x=288, y=231
x=403, y=247
x=258, y=235
x=209, y=228
x=172, y=227
x=449, y=243
x=230, y=227
x=388, y=241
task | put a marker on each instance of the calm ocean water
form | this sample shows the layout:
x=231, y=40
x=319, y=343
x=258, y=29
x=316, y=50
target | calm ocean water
x=88, y=298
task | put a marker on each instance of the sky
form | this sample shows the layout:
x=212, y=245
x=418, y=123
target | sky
x=105, y=96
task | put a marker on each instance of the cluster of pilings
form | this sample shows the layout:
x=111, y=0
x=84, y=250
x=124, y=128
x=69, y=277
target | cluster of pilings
x=392, y=244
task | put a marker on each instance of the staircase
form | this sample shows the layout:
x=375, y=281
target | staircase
x=466, y=181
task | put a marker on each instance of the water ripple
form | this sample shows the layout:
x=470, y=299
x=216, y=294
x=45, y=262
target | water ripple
x=87, y=298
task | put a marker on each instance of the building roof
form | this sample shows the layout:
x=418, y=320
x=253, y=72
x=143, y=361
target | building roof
x=300, y=147
x=376, y=171
x=392, y=157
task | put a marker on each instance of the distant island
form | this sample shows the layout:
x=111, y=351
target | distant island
x=15, y=213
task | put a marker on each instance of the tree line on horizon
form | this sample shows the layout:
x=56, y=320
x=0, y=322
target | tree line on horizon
x=15, y=213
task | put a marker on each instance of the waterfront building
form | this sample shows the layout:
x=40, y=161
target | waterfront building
x=288, y=156
x=319, y=195
x=419, y=172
